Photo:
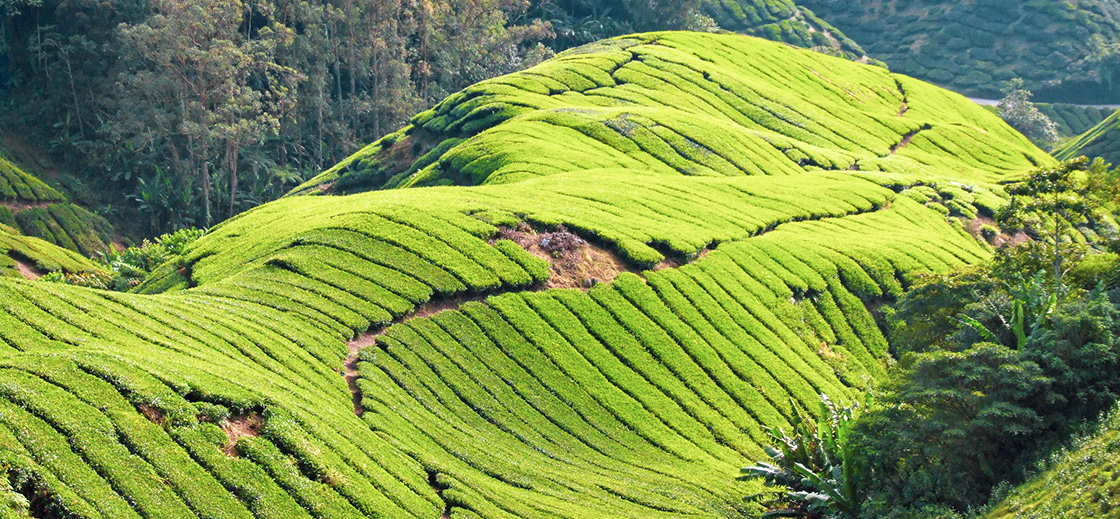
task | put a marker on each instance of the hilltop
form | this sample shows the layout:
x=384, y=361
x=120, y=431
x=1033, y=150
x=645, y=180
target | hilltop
x=725, y=213
x=976, y=45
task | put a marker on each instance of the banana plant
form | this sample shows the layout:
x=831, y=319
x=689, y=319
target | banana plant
x=808, y=474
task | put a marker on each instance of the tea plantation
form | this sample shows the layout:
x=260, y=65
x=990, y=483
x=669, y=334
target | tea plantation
x=31, y=207
x=780, y=20
x=765, y=199
x=1099, y=141
x=1079, y=482
x=975, y=46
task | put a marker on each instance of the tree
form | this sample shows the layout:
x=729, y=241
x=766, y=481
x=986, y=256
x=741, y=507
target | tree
x=1053, y=202
x=206, y=61
x=1017, y=110
x=809, y=467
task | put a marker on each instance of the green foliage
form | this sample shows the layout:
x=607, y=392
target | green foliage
x=998, y=366
x=214, y=390
x=728, y=124
x=1098, y=142
x=1073, y=120
x=18, y=186
x=810, y=466
x=132, y=266
x=1077, y=481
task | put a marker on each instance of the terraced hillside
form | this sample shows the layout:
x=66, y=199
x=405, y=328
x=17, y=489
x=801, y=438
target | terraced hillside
x=1074, y=120
x=396, y=353
x=1102, y=140
x=33, y=208
x=974, y=45
x=24, y=199
x=780, y=20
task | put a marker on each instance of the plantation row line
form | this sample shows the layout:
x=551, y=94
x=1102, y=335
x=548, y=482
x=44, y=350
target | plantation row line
x=16, y=185
x=40, y=255
x=609, y=392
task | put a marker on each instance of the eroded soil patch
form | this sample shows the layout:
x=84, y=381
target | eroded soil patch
x=576, y=263
x=240, y=426
x=27, y=271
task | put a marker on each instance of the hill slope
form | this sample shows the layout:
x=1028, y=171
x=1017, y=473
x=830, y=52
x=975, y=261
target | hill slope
x=30, y=207
x=1103, y=140
x=1080, y=483
x=1074, y=120
x=779, y=20
x=395, y=353
x=35, y=209
x=975, y=45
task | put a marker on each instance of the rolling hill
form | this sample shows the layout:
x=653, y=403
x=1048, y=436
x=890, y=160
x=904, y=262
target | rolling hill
x=600, y=279
x=1080, y=482
x=1074, y=120
x=40, y=231
x=975, y=45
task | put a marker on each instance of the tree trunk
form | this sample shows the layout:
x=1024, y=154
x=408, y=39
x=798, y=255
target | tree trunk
x=204, y=172
x=232, y=152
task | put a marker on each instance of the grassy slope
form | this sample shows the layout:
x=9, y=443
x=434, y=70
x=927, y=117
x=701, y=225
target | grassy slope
x=1081, y=483
x=638, y=398
x=973, y=46
x=33, y=208
x=1100, y=141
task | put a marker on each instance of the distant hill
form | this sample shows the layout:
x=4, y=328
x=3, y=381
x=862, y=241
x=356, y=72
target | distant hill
x=1102, y=140
x=975, y=45
x=600, y=280
x=780, y=20
x=1074, y=120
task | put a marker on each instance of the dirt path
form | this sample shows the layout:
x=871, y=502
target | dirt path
x=27, y=271
x=350, y=367
x=17, y=206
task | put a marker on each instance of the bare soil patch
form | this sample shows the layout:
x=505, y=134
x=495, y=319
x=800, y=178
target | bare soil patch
x=576, y=263
x=27, y=271
x=239, y=426
x=1001, y=239
x=19, y=205
x=155, y=415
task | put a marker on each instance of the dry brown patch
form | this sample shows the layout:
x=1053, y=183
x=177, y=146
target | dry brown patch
x=576, y=263
x=240, y=426
x=1002, y=238
x=827, y=353
x=155, y=415
x=19, y=205
x=27, y=271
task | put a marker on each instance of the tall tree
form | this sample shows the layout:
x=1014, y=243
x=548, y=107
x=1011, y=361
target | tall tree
x=205, y=61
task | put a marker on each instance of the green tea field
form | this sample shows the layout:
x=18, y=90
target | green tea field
x=580, y=291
